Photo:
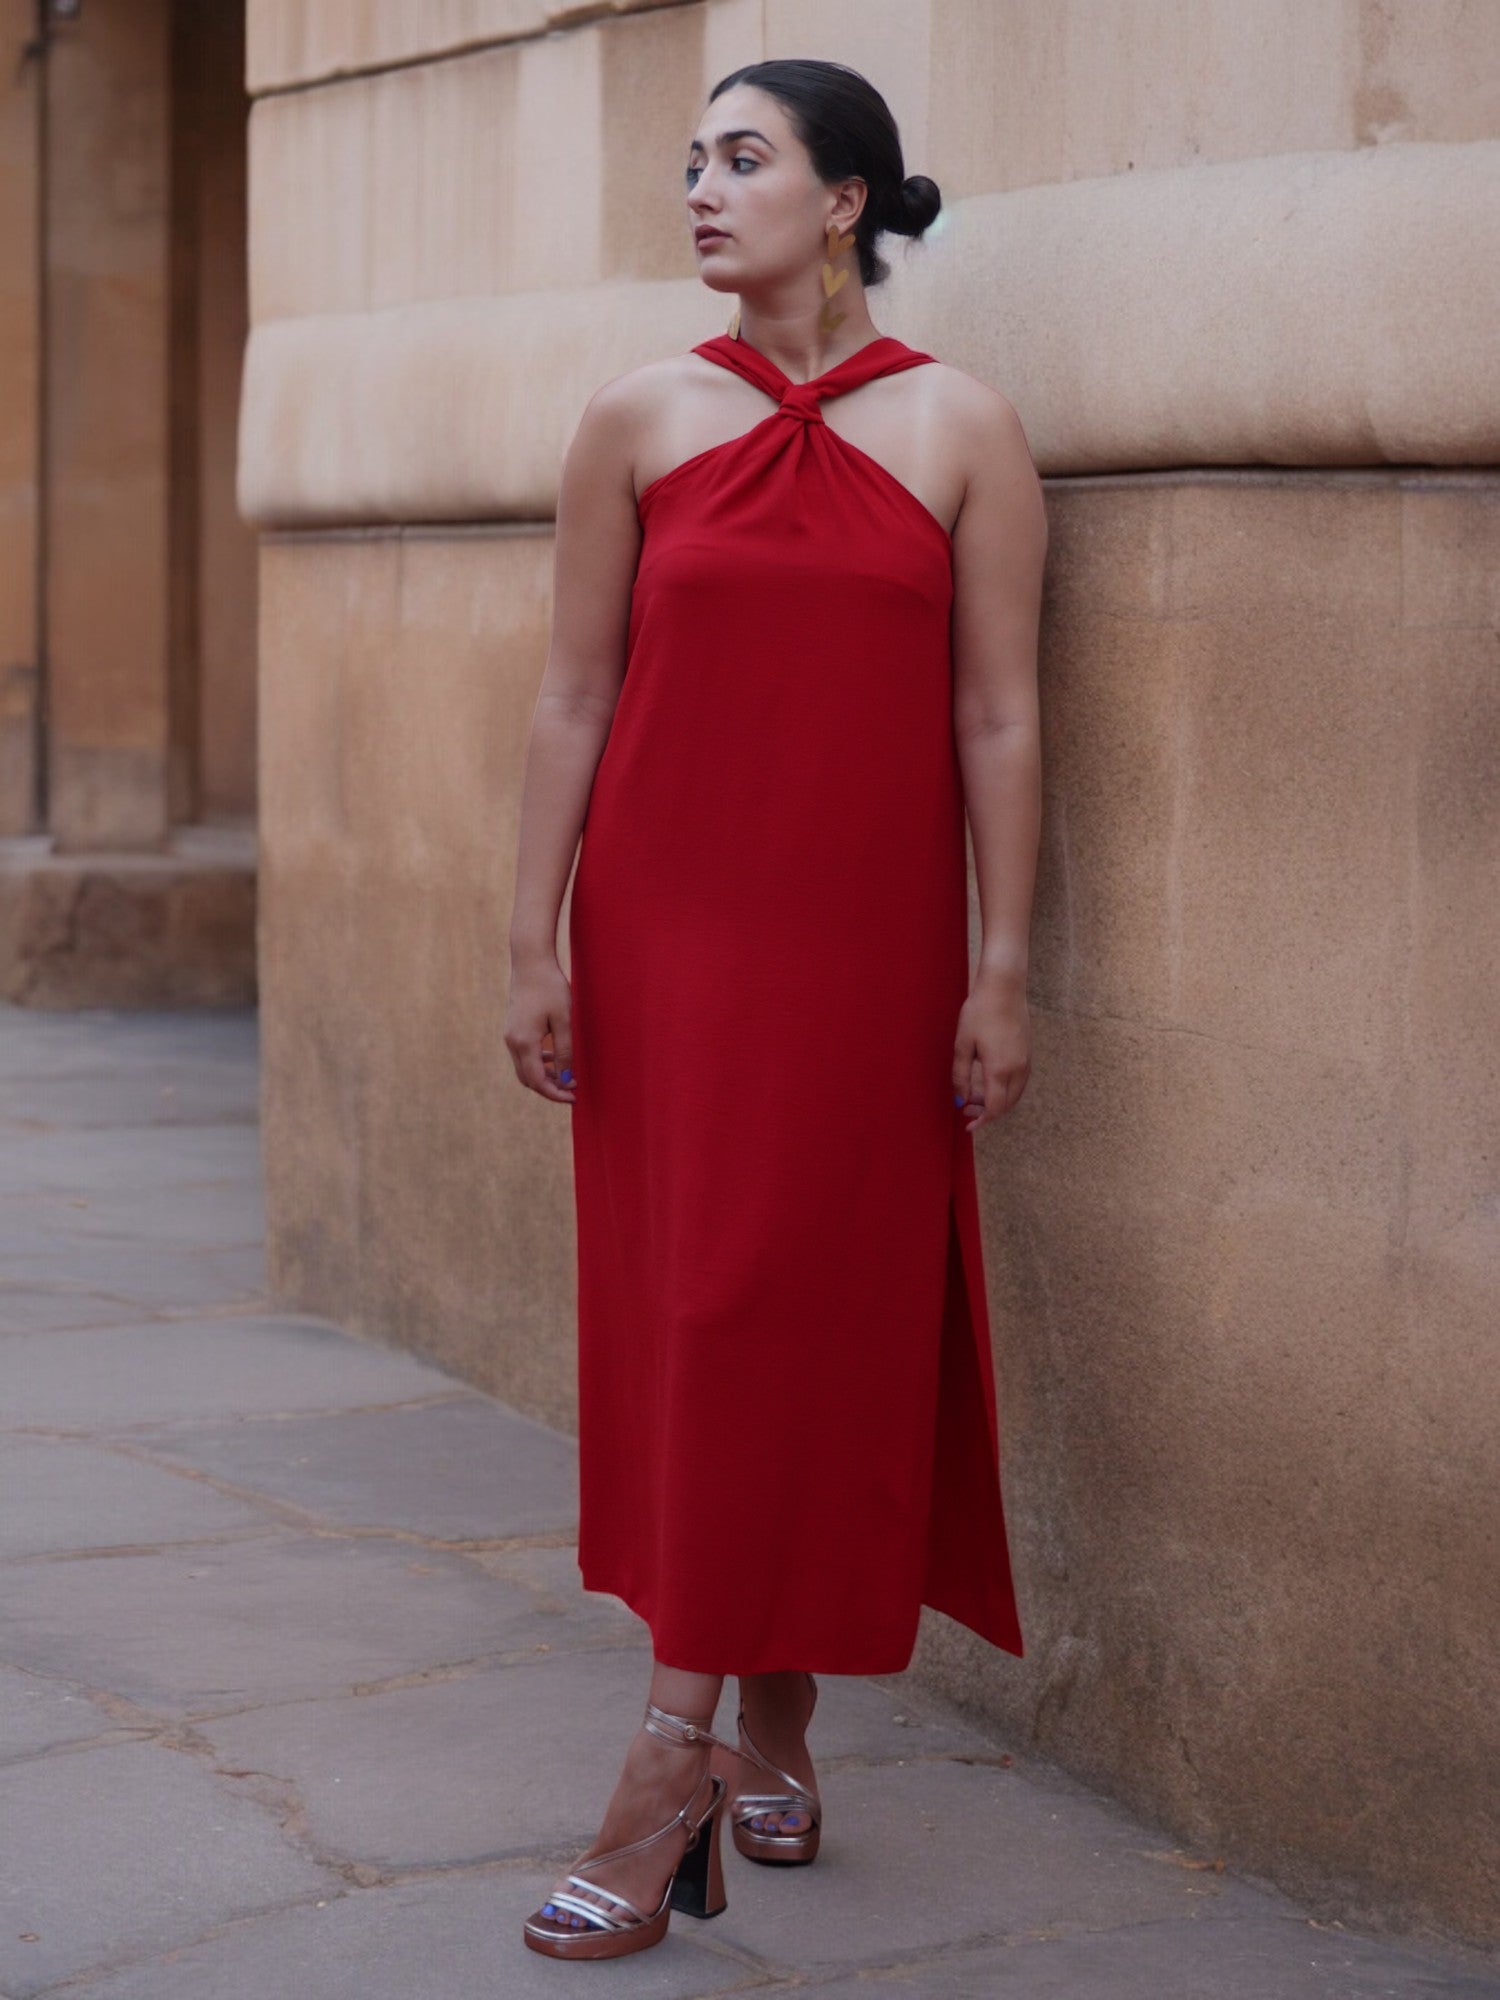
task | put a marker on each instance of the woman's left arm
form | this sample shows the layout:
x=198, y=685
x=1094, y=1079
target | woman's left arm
x=999, y=550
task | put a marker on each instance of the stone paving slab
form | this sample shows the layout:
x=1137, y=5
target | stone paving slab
x=449, y=1937
x=466, y=1470
x=159, y=1091
x=128, y=1849
x=205, y=1216
x=40, y=1713
x=103, y=1161
x=36, y=1043
x=186, y=1369
x=551, y=1574
x=454, y=1937
x=921, y=1857
x=499, y=1761
x=151, y=1279
x=197, y=1630
x=1280, y=1957
x=59, y=1308
x=65, y=1493
x=519, y=1759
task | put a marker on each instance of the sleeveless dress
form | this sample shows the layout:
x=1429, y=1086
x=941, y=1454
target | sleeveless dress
x=788, y=1439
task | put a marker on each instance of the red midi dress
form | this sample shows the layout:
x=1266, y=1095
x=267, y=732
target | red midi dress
x=788, y=1439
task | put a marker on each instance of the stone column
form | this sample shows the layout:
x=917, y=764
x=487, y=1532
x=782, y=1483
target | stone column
x=20, y=360
x=106, y=461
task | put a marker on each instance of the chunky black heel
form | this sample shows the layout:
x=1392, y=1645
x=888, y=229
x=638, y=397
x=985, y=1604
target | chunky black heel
x=698, y=1885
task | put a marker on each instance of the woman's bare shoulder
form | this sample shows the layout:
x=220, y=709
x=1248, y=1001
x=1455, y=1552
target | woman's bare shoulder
x=978, y=412
x=637, y=394
x=625, y=412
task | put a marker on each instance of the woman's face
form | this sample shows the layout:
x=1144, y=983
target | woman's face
x=750, y=178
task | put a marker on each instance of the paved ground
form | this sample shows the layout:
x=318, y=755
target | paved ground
x=300, y=1693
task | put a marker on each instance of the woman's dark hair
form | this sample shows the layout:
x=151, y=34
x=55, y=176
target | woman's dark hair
x=847, y=127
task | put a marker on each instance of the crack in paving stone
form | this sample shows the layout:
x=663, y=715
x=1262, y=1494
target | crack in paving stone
x=958, y=1950
x=124, y=1434
x=134, y=1723
x=261, y=1308
x=533, y=1655
x=130, y=1722
x=104, y=1740
x=81, y=1982
x=53, y=1677
x=514, y=1545
x=287, y=1512
x=275, y=1794
x=464, y=1670
x=135, y=1313
x=954, y=1950
x=226, y=1537
x=913, y=1760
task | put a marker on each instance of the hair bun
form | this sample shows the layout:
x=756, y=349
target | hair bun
x=916, y=205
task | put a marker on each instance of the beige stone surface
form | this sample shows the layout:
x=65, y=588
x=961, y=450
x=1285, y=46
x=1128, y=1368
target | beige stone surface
x=311, y=452
x=1072, y=89
x=170, y=929
x=1243, y=1226
x=993, y=94
x=1335, y=309
x=305, y=41
x=892, y=46
x=1308, y=309
x=414, y=1187
x=1241, y=1231
x=450, y=180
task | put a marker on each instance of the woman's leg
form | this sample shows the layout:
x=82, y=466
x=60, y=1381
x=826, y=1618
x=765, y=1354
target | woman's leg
x=777, y=1709
x=656, y=1781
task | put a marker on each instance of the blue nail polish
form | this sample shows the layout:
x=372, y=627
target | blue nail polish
x=567, y=1076
x=957, y=1097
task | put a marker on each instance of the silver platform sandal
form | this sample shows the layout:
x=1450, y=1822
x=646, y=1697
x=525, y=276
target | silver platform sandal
x=613, y=1925
x=759, y=1843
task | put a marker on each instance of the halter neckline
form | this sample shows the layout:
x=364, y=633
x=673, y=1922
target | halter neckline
x=884, y=355
x=739, y=342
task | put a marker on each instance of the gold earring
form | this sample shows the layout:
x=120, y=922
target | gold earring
x=828, y=320
x=734, y=325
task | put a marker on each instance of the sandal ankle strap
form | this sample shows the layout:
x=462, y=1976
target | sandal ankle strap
x=681, y=1729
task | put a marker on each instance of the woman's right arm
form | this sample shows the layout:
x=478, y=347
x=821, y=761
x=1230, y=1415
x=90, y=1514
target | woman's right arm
x=595, y=554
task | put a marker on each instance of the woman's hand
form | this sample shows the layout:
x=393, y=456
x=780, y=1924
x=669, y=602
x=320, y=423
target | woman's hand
x=539, y=1027
x=992, y=1049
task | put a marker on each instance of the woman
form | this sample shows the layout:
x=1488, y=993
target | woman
x=798, y=575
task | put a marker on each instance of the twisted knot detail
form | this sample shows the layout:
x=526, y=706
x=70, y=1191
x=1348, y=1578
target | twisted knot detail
x=803, y=401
